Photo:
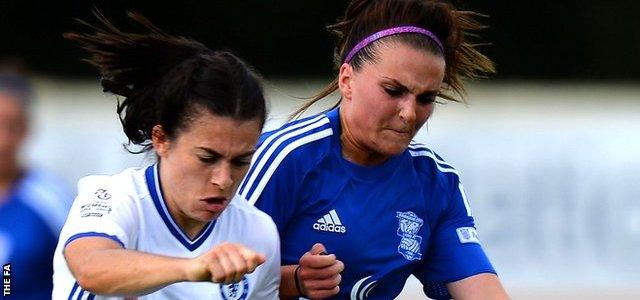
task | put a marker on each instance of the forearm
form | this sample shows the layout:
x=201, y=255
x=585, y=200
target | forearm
x=128, y=272
x=478, y=287
x=287, y=282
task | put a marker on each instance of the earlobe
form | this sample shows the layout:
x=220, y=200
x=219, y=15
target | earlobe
x=344, y=80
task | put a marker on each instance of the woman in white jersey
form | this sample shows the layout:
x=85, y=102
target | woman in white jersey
x=171, y=230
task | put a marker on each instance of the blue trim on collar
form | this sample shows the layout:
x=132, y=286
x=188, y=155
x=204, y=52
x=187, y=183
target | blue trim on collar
x=73, y=290
x=153, y=184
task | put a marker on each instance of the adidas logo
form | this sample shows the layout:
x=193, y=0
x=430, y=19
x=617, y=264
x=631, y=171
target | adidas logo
x=330, y=222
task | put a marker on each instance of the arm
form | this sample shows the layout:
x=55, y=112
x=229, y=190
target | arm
x=102, y=266
x=456, y=265
x=478, y=287
x=318, y=276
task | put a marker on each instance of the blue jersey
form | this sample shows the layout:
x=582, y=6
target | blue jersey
x=30, y=220
x=406, y=216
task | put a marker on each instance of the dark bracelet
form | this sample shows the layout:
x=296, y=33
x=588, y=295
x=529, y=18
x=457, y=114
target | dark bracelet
x=298, y=285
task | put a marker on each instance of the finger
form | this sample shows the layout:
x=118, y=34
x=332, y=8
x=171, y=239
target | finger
x=322, y=273
x=252, y=259
x=323, y=284
x=237, y=261
x=318, y=248
x=257, y=261
x=215, y=268
x=228, y=270
x=309, y=260
x=323, y=294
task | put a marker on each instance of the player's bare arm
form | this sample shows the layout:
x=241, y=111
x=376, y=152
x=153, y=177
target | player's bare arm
x=103, y=267
x=478, y=287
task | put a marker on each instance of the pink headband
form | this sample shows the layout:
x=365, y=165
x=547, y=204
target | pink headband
x=391, y=31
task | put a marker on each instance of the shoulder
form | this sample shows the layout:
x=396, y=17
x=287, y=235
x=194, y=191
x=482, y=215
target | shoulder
x=119, y=189
x=46, y=195
x=295, y=137
x=43, y=186
x=247, y=218
x=432, y=166
x=288, y=152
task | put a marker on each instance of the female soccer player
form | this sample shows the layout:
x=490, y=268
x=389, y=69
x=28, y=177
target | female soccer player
x=29, y=196
x=172, y=230
x=350, y=182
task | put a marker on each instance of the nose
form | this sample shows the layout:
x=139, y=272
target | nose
x=408, y=111
x=221, y=176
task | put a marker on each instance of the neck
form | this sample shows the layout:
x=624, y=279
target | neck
x=189, y=226
x=357, y=152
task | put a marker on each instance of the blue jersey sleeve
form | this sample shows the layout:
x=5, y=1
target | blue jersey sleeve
x=455, y=252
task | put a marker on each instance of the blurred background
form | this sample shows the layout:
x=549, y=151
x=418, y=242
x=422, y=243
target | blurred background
x=548, y=148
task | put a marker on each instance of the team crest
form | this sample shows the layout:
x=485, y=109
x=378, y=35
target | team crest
x=408, y=227
x=235, y=291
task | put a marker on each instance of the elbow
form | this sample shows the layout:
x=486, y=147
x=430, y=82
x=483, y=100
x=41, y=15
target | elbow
x=88, y=283
x=95, y=281
x=91, y=283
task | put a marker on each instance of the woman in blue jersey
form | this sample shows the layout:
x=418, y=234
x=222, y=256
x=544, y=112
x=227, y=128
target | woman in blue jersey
x=30, y=197
x=171, y=230
x=359, y=206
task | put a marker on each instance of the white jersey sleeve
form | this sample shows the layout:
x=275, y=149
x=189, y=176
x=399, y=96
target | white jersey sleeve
x=268, y=283
x=101, y=209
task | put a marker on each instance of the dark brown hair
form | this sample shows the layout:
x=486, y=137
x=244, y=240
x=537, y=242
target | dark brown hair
x=168, y=80
x=453, y=27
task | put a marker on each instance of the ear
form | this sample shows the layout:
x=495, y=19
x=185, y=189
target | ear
x=160, y=140
x=345, y=80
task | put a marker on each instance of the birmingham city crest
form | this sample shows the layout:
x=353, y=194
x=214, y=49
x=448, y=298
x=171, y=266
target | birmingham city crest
x=408, y=227
x=235, y=291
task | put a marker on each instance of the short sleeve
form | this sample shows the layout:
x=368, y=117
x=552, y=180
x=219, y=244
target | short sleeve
x=455, y=251
x=268, y=284
x=100, y=210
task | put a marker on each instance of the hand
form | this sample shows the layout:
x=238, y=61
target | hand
x=225, y=263
x=319, y=273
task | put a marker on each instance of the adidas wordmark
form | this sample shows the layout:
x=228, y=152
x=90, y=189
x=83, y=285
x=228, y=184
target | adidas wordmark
x=330, y=223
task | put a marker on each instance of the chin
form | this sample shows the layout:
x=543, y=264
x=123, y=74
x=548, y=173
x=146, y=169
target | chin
x=393, y=149
x=206, y=216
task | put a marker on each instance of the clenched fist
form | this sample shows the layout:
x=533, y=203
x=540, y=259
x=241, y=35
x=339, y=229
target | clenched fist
x=225, y=263
x=319, y=273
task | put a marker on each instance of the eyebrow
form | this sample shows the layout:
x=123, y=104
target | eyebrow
x=216, y=154
x=427, y=93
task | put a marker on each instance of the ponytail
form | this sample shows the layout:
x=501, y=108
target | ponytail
x=154, y=72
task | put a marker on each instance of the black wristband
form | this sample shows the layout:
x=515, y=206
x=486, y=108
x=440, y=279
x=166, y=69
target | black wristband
x=297, y=279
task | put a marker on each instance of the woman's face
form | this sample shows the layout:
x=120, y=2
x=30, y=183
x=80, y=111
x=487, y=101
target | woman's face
x=200, y=168
x=13, y=129
x=386, y=102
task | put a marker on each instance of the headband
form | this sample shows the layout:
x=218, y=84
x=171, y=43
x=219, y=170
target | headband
x=392, y=31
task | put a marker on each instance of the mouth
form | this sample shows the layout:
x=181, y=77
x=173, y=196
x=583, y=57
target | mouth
x=402, y=132
x=215, y=204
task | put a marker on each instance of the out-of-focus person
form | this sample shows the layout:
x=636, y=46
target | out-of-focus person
x=33, y=203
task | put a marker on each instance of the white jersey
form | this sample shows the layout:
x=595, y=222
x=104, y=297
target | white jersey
x=129, y=209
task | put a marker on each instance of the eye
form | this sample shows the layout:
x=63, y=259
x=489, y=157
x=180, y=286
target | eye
x=208, y=159
x=393, y=91
x=241, y=162
x=426, y=99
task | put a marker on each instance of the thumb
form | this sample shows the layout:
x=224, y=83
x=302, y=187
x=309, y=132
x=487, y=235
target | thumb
x=318, y=249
